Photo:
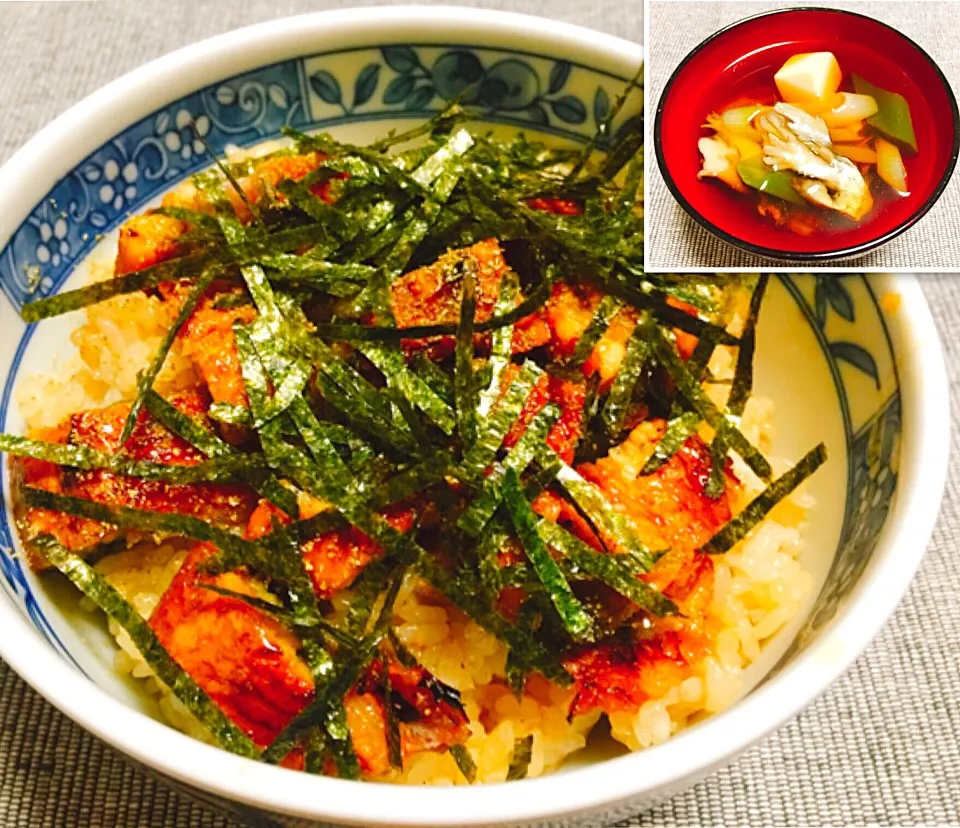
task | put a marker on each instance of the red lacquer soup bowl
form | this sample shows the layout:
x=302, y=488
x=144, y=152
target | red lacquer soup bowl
x=740, y=61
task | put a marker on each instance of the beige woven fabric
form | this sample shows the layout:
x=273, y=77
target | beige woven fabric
x=675, y=242
x=880, y=748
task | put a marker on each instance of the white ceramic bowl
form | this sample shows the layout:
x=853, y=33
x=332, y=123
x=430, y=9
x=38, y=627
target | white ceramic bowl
x=853, y=362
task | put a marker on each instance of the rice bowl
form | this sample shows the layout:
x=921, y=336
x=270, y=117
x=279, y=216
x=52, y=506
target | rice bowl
x=509, y=807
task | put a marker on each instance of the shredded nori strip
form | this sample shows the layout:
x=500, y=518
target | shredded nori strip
x=689, y=387
x=481, y=509
x=758, y=508
x=220, y=469
x=605, y=313
x=351, y=332
x=461, y=755
x=161, y=523
x=520, y=759
x=464, y=390
x=630, y=373
x=183, y=687
x=617, y=571
x=679, y=430
x=501, y=344
x=742, y=385
x=592, y=502
x=575, y=618
x=394, y=745
x=414, y=388
x=149, y=374
x=149, y=277
x=482, y=452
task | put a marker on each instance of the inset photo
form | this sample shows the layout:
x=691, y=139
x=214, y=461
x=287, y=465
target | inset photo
x=791, y=137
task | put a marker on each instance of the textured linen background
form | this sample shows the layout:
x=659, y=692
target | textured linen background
x=880, y=748
x=676, y=242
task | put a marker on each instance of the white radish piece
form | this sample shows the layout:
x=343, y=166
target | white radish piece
x=738, y=121
x=853, y=108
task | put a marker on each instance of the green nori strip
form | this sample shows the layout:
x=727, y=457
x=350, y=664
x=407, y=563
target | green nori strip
x=434, y=376
x=353, y=385
x=350, y=332
x=516, y=676
x=605, y=313
x=230, y=414
x=228, y=175
x=221, y=469
x=339, y=740
x=149, y=374
x=393, y=433
x=174, y=420
x=404, y=656
x=623, y=285
x=487, y=553
x=335, y=279
x=602, y=514
x=199, y=437
x=164, y=523
x=520, y=760
x=717, y=481
x=702, y=352
x=326, y=710
x=481, y=509
x=327, y=706
x=84, y=457
x=392, y=724
x=758, y=508
x=603, y=128
x=742, y=385
x=71, y=300
x=679, y=430
x=464, y=762
x=315, y=753
x=464, y=389
x=575, y=618
x=617, y=571
x=193, y=697
x=287, y=562
x=412, y=480
x=263, y=298
x=501, y=346
x=231, y=300
x=689, y=387
x=365, y=591
x=315, y=207
x=414, y=388
x=481, y=454
x=614, y=411
x=439, y=163
x=193, y=217
x=253, y=373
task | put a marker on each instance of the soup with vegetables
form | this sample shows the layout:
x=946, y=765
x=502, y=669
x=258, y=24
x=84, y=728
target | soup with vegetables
x=822, y=154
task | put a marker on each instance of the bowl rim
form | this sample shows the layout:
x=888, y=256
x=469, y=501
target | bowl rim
x=577, y=791
x=834, y=254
